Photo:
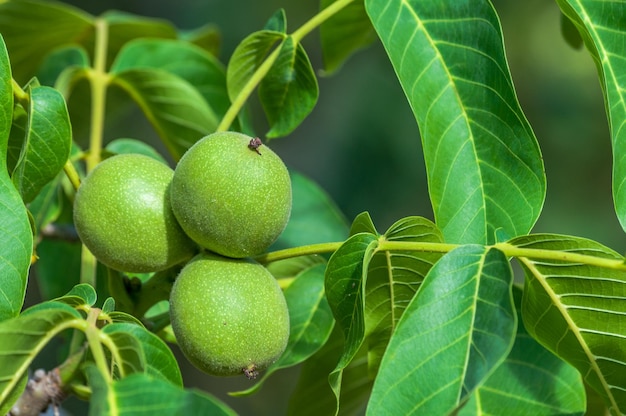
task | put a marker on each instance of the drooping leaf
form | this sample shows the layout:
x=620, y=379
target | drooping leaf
x=25, y=336
x=577, y=311
x=292, y=267
x=158, y=359
x=315, y=218
x=531, y=380
x=601, y=25
x=15, y=234
x=141, y=394
x=33, y=28
x=246, y=59
x=176, y=110
x=393, y=279
x=47, y=142
x=457, y=330
x=483, y=162
x=344, y=33
x=289, y=91
x=310, y=319
x=191, y=63
x=346, y=276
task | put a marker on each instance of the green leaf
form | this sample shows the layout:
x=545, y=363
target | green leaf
x=175, y=108
x=59, y=61
x=346, y=276
x=344, y=33
x=577, y=311
x=126, y=349
x=25, y=336
x=363, y=224
x=602, y=28
x=15, y=234
x=393, y=279
x=313, y=395
x=207, y=37
x=570, y=33
x=310, y=319
x=141, y=394
x=483, y=162
x=456, y=331
x=246, y=59
x=277, y=22
x=189, y=62
x=315, y=218
x=289, y=91
x=32, y=29
x=82, y=296
x=532, y=380
x=158, y=358
x=122, y=146
x=47, y=143
x=124, y=27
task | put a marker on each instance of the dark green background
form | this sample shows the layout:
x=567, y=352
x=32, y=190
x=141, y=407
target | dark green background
x=361, y=143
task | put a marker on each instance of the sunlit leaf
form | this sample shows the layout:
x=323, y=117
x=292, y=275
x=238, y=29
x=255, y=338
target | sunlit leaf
x=82, y=295
x=15, y=234
x=532, y=381
x=176, y=110
x=25, y=336
x=344, y=33
x=315, y=218
x=141, y=394
x=457, y=330
x=393, y=279
x=310, y=319
x=46, y=144
x=577, y=311
x=601, y=26
x=346, y=276
x=484, y=165
x=289, y=91
x=247, y=58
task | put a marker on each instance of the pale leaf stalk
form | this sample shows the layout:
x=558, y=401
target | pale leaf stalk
x=264, y=68
x=508, y=249
x=98, y=79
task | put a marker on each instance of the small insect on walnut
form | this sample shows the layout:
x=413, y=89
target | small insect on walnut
x=255, y=144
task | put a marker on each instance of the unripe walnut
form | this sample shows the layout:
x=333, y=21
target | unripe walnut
x=231, y=195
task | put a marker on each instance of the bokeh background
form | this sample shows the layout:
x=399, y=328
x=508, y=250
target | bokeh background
x=361, y=142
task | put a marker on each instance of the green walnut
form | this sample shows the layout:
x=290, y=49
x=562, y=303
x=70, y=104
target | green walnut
x=229, y=315
x=123, y=215
x=231, y=195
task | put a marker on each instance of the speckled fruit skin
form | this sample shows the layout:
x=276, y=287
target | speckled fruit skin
x=229, y=315
x=229, y=198
x=123, y=215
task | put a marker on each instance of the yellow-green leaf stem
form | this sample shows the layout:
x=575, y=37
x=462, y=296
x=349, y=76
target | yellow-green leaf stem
x=98, y=80
x=264, y=68
x=508, y=249
x=94, y=341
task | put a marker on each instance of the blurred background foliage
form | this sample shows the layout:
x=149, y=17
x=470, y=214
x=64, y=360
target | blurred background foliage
x=361, y=142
